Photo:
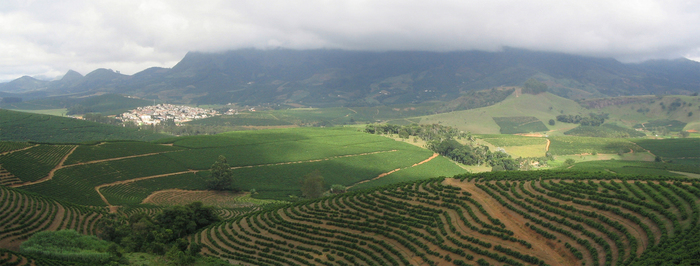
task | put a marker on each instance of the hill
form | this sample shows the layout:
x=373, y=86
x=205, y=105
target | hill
x=271, y=162
x=20, y=126
x=542, y=107
x=356, y=78
x=107, y=104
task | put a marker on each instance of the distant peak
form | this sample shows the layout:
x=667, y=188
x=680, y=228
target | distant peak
x=71, y=75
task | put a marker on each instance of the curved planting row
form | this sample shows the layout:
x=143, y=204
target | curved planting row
x=22, y=215
x=526, y=220
x=10, y=258
x=7, y=178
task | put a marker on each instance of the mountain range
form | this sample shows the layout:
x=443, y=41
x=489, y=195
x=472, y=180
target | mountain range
x=358, y=78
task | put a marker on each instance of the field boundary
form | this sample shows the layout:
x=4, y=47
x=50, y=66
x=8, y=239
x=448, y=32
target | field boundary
x=395, y=170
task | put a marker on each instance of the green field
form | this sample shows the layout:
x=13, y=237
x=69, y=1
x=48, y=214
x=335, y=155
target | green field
x=108, y=150
x=511, y=140
x=20, y=126
x=563, y=145
x=34, y=163
x=270, y=161
x=107, y=104
x=543, y=106
x=519, y=124
x=672, y=125
x=688, y=148
x=605, y=131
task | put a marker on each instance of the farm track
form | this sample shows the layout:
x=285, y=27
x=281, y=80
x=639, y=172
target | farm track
x=51, y=173
x=396, y=170
x=97, y=188
x=314, y=160
x=546, y=148
x=22, y=149
x=114, y=208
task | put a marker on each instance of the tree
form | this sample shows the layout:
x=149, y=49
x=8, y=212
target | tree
x=569, y=162
x=312, y=185
x=684, y=134
x=551, y=122
x=221, y=175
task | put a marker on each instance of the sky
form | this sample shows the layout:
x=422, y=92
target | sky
x=46, y=38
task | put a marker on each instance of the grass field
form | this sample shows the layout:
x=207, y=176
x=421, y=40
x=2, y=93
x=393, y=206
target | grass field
x=518, y=146
x=480, y=120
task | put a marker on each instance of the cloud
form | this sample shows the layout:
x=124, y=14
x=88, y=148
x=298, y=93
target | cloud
x=49, y=37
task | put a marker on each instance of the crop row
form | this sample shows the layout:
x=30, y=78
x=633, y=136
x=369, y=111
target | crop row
x=77, y=184
x=22, y=214
x=117, y=149
x=476, y=221
x=6, y=146
x=34, y=163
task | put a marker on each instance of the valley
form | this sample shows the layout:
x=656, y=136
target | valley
x=487, y=177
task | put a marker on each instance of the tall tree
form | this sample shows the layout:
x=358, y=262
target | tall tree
x=312, y=185
x=221, y=175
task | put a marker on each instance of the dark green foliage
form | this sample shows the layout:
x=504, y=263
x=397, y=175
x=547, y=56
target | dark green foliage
x=591, y=120
x=519, y=124
x=67, y=245
x=604, y=131
x=551, y=122
x=221, y=177
x=141, y=233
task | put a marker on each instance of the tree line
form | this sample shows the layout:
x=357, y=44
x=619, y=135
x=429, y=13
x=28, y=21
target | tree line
x=443, y=140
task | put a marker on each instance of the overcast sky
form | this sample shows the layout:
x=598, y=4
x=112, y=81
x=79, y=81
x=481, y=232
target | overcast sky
x=49, y=37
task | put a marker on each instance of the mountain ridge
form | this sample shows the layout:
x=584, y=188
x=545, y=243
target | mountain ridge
x=346, y=78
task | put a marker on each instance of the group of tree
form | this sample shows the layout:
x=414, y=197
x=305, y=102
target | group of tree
x=591, y=120
x=424, y=132
x=443, y=140
x=160, y=235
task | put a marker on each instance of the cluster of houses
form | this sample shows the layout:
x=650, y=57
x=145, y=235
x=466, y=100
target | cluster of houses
x=155, y=114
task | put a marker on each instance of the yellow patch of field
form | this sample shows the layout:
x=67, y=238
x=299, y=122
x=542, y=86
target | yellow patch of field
x=526, y=151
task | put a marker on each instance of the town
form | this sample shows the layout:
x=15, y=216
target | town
x=155, y=114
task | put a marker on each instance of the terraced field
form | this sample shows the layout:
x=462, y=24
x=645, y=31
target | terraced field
x=545, y=218
x=269, y=161
x=23, y=214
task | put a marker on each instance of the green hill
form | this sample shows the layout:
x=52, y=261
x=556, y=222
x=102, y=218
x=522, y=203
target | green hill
x=20, y=126
x=544, y=106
